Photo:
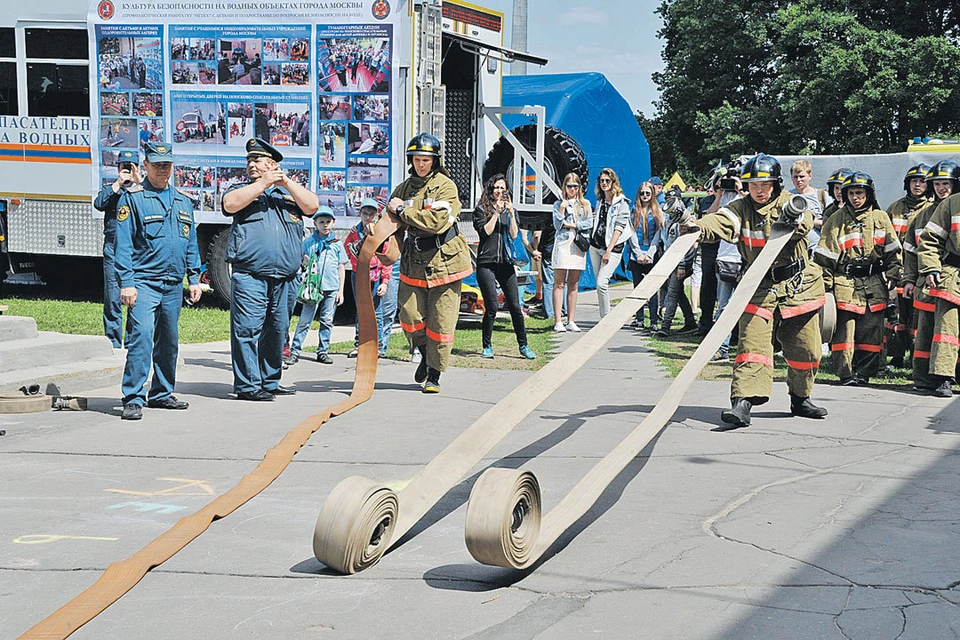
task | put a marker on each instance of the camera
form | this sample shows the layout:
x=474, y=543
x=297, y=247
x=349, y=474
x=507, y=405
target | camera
x=726, y=177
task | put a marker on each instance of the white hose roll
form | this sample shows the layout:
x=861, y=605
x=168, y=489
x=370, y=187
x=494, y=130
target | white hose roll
x=355, y=525
x=503, y=518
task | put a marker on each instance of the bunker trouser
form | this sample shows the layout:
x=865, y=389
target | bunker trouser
x=900, y=341
x=429, y=317
x=856, y=344
x=945, y=340
x=922, y=342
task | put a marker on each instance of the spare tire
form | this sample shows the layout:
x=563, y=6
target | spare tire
x=562, y=156
x=218, y=269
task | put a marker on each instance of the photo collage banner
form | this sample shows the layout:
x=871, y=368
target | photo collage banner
x=317, y=84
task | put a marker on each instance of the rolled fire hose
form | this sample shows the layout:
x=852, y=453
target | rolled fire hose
x=361, y=519
x=503, y=526
x=122, y=576
x=828, y=319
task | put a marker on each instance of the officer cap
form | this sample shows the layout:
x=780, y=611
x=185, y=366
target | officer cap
x=159, y=152
x=370, y=202
x=324, y=210
x=128, y=155
x=257, y=148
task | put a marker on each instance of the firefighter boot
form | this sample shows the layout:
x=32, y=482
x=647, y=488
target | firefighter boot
x=802, y=407
x=739, y=415
x=432, y=385
x=421, y=374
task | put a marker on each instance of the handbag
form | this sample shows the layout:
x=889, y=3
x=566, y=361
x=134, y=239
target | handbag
x=582, y=239
x=510, y=253
x=728, y=271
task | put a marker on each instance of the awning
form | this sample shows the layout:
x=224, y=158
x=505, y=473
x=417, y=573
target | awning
x=474, y=46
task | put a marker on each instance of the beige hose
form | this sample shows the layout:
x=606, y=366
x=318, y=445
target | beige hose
x=351, y=524
x=492, y=531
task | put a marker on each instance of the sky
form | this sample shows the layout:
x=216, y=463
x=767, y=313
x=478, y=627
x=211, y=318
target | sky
x=616, y=37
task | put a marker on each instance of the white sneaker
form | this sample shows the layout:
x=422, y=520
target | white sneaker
x=572, y=326
x=559, y=328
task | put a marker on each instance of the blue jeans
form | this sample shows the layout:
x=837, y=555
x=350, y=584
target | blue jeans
x=152, y=338
x=546, y=277
x=637, y=273
x=388, y=307
x=328, y=306
x=259, y=319
x=676, y=296
x=381, y=348
x=724, y=291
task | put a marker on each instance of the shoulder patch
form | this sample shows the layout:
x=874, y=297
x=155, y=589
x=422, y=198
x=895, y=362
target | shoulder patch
x=123, y=213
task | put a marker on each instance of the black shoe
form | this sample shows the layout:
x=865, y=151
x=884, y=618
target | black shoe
x=896, y=362
x=255, y=396
x=688, y=327
x=849, y=382
x=323, y=358
x=739, y=415
x=661, y=333
x=432, y=385
x=945, y=390
x=803, y=408
x=420, y=375
x=924, y=391
x=131, y=412
x=282, y=391
x=291, y=359
x=170, y=402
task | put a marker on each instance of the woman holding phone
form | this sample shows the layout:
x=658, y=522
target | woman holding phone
x=570, y=214
x=496, y=222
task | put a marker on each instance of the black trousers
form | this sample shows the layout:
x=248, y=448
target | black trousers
x=708, y=282
x=488, y=275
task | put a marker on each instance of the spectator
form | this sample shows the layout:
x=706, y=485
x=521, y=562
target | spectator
x=609, y=235
x=496, y=223
x=379, y=273
x=801, y=172
x=658, y=189
x=646, y=224
x=571, y=215
x=265, y=243
x=156, y=248
x=542, y=243
x=727, y=265
x=676, y=296
x=106, y=201
x=323, y=261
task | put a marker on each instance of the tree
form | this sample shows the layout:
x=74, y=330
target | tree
x=801, y=75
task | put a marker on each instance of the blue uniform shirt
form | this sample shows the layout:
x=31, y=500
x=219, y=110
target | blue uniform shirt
x=266, y=235
x=332, y=255
x=156, y=242
x=106, y=201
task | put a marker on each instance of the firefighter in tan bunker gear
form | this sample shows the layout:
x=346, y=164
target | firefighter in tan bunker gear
x=860, y=253
x=902, y=211
x=790, y=294
x=942, y=179
x=434, y=258
x=938, y=256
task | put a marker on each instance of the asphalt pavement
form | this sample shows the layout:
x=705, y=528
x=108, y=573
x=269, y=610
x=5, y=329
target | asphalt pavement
x=841, y=528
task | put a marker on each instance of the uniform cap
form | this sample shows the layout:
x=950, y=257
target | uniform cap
x=370, y=202
x=257, y=148
x=128, y=155
x=324, y=210
x=159, y=152
x=656, y=181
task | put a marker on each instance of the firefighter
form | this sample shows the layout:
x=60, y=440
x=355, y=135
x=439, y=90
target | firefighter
x=860, y=253
x=938, y=256
x=265, y=251
x=435, y=258
x=834, y=182
x=128, y=175
x=899, y=340
x=790, y=294
x=942, y=180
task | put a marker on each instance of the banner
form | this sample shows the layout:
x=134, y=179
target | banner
x=314, y=79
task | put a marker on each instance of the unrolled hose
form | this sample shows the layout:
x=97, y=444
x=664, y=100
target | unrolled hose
x=122, y=576
x=486, y=541
x=337, y=526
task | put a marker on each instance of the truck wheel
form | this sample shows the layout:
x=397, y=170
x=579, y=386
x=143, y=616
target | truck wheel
x=562, y=156
x=218, y=269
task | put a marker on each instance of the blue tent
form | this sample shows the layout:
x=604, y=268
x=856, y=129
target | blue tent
x=589, y=109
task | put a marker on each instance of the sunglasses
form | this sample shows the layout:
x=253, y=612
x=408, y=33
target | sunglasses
x=645, y=193
x=605, y=181
x=572, y=186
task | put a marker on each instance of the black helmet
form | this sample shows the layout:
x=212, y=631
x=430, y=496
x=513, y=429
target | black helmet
x=423, y=144
x=838, y=176
x=859, y=179
x=916, y=171
x=763, y=168
x=944, y=170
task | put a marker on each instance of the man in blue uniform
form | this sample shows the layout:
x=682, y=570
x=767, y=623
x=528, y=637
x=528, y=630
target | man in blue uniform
x=156, y=247
x=128, y=164
x=264, y=249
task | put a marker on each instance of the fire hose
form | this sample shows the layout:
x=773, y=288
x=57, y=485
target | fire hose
x=122, y=576
x=503, y=523
x=361, y=519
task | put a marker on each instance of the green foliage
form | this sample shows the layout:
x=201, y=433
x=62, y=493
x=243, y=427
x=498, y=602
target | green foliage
x=802, y=76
